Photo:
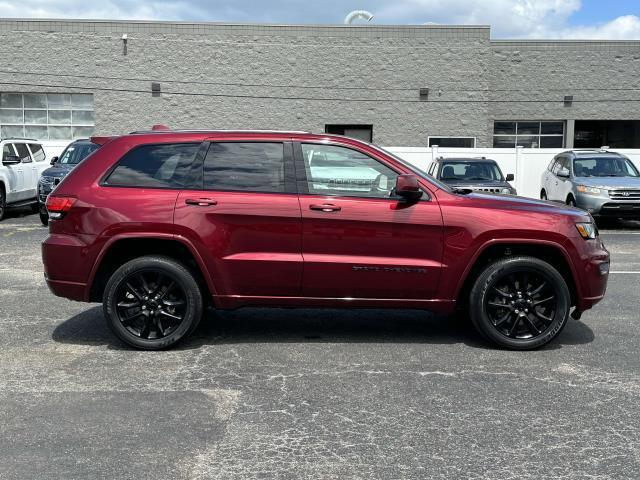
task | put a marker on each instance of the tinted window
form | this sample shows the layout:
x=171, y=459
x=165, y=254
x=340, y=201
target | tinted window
x=37, y=152
x=251, y=166
x=335, y=170
x=159, y=166
x=23, y=152
x=76, y=152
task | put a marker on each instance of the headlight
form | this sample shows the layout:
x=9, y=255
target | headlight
x=587, y=230
x=588, y=190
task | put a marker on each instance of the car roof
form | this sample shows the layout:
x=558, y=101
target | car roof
x=465, y=159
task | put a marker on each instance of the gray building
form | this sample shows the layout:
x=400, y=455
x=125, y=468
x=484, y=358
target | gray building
x=399, y=85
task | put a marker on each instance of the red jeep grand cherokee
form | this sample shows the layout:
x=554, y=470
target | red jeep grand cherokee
x=157, y=225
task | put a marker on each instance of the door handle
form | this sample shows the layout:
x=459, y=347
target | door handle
x=325, y=207
x=200, y=202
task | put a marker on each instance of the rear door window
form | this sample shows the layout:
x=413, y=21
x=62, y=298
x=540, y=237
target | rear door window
x=245, y=166
x=8, y=151
x=155, y=166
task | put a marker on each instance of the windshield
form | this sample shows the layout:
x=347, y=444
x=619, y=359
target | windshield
x=414, y=169
x=471, y=171
x=77, y=152
x=604, y=167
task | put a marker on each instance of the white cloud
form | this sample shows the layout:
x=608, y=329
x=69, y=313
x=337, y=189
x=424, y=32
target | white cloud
x=508, y=18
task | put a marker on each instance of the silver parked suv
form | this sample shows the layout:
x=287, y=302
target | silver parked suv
x=606, y=184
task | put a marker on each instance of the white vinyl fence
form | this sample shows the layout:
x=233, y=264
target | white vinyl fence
x=527, y=164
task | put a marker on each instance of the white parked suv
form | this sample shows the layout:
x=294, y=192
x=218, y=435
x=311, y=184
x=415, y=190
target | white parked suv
x=23, y=160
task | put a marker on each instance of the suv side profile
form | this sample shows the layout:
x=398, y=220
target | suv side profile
x=23, y=160
x=604, y=183
x=159, y=225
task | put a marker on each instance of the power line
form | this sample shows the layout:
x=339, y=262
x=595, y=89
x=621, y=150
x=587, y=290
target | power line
x=323, y=99
x=326, y=87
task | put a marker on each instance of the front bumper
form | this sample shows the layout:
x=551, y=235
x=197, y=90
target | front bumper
x=600, y=206
x=594, y=274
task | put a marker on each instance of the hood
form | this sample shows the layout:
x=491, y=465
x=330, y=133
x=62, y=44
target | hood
x=609, y=182
x=479, y=185
x=58, y=170
x=530, y=205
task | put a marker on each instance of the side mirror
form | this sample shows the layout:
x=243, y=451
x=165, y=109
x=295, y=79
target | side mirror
x=408, y=188
x=54, y=160
x=11, y=160
x=510, y=177
x=563, y=173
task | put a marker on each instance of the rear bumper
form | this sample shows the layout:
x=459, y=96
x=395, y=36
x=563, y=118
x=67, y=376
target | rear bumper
x=66, y=259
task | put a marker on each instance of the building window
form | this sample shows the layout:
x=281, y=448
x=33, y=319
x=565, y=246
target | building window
x=527, y=134
x=359, y=132
x=611, y=133
x=456, y=142
x=46, y=116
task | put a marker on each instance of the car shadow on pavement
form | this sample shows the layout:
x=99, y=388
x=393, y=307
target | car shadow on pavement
x=277, y=325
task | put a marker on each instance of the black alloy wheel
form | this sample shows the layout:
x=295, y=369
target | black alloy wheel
x=152, y=302
x=520, y=303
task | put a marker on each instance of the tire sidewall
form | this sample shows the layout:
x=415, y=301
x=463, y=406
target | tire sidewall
x=487, y=279
x=180, y=275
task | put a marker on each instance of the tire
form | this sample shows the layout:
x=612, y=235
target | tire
x=44, y=218
x=3, y=202
x=526, y=322
x=543, y=195
x=152, y=302
x=571, y=202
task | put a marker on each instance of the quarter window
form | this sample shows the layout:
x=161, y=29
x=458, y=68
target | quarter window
x=155, y=166
x=249, y=166
x=37, y=152
x=333, y=170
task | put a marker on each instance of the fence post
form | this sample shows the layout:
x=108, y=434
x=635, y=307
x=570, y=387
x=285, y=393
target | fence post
x=519, y=170
x=434, y=152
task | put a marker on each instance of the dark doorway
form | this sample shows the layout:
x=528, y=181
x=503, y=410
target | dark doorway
x=359, y=132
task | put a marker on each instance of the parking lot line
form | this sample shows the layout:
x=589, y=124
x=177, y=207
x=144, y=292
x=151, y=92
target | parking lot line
x=627, y=272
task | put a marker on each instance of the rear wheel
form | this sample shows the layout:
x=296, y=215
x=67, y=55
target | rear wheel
x=520, y=303
x=152, y=302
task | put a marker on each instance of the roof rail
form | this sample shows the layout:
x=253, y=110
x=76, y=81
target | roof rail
x=206, y=130
x=19, y=138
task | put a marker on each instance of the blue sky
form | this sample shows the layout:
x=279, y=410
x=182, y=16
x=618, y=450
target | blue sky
x=614, y=19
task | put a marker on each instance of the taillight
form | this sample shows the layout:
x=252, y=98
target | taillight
x=59, y=206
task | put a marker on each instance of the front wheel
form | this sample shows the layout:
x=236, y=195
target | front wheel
x=44, y=218
x=152, y=302
x=543, y=195
x=3, y=203
x=520, y=303
x=571, y=202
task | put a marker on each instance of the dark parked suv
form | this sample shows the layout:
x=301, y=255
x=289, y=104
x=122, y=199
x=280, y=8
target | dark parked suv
x=158, y=225
x=60, y=166
x=477, y=174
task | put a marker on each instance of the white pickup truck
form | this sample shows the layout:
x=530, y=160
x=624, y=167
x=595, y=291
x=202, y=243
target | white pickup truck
x=23, y=160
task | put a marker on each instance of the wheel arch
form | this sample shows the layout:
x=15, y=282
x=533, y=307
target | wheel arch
x=550, y=252
x=122, y=249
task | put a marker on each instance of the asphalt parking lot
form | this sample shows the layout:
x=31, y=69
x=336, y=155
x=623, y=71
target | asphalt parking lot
x=313, y=394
